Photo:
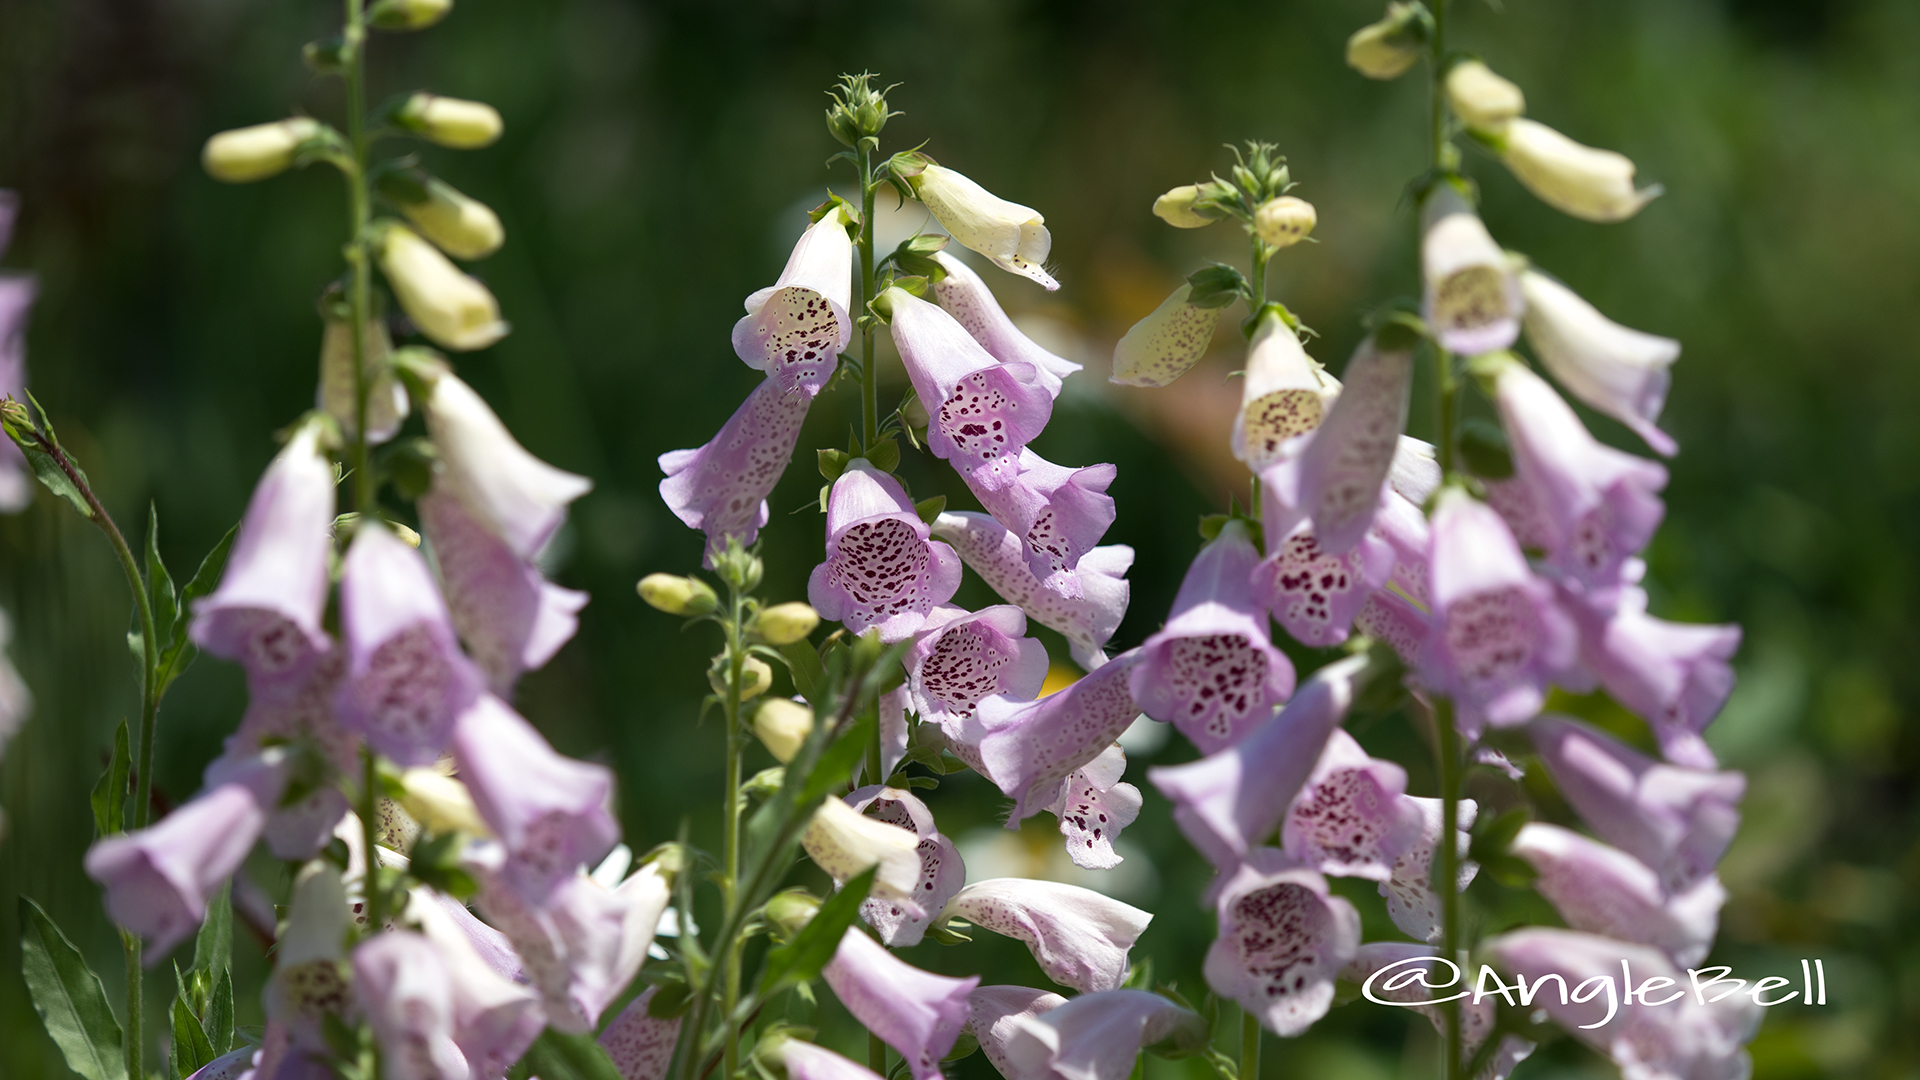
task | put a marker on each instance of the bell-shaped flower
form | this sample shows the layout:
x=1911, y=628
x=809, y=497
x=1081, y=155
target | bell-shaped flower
x=1336, y=479
x=267, y=610
x=1600, y=504
x=296, y=828
x=960, y=657
x=1352, y=817
x=881, y=569
x=233, y=1065
x=1230, y=802
x=994, y=1014
x=1619, y=371
x=403, y=988
x=981, y=412
x=1315, y=595
x=1283, y=940
x=158, y=879
x=511, y=618
x=1676, y=820
x=1087, y=619
x=805, y=1061
x=942, y=870
x=916, y=1012
x=1476, y=1018
x=1676, y=676
x=310, y=977
x=1211, y=670
x=1030, y=747
x=1472, y=299
x=1411, y=902
x=1167, y=343
x=965, y=297
x=796, y=328
x=1389, y=617
x=1590, y=184
x=721, y=488
x=1498, y=635
x=639, y=1044
x=407, y=679
x=843, y=842
x=1604, y=890
x=1059, y=513
x=1673, y=1034
x=1284, y=394
x=1094, y=806
x=553, y=814
x=1079, y=937
x=451, y=308
x=520, y=498
x=495, y=1018
x=1015, y=237
x=1099, y=1036
x=1519, y=505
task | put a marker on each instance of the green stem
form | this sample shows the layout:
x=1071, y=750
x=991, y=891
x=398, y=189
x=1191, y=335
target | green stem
x=358, y=256
x=1446, y=873
x=730, y=859
x=869, y=375
x=1437, y=102
x=1249, y=1046
x=1258, y=285
x=136, y=1064
x=370, y=836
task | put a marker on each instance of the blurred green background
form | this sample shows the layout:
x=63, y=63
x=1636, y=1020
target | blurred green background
x=656, y=161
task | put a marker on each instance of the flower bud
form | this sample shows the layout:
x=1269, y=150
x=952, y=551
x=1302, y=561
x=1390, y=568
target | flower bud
x=790, y=911
x=408, y=14
x=452, y=122
x=1590, y=184
x=440, y=802
x=1015, y=237
x=455, y=310
x=255, y=153
x=677, y=595
x=1176, y=208
x=463, y=227
x=784, y=624
x=1285, y=221
x=1482, y=99
x=755, y=678
x=781, y=726
x=858, y=110
x=1386, y=49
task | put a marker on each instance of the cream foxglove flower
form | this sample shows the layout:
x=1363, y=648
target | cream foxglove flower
x=1386, y=49
x=1481, y=99
x=1591, y=184
x=844, y=842
x=463, y=226
x=455, y=310
x=517, y=496
x=452, y=122
x=1015, y=237
x=386, y=398
x=1472, y=300
x=255, y=153
x=1167, y=343
x=1619, y=371
x=1285, y=393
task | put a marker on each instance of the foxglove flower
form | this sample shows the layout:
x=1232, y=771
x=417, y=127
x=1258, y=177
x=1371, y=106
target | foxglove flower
x=1476, y=1018
x=1015, y=237
x=295, y=830
x=1600, y=504
x=310, y=977
x=1283, y=940
x=337, y=394
x=1411, y=902
x=1390, y=617
x=1094, y=806
x=1352, y=817
x=1099, y=1036
x=1079, y=937
x=407, y=679
x=1336, y=479
x=1315, y=595
x=1060, y=513
x=916, y=1012
x=965, y=297
x=641, y=1045
x=981, y=412
x=1620, y=372
x=303, y=716
x=795, y=329
x=1472, y=299
x=1000, y=558
x=1676, y=820
x=942, y=871
x=960, y=657
x=158, y=879
x=994, y=1014
x=518, y=497
x=805, y=1061
x=229, y=1066
x=1030, y=747
x=403, y=986
x=1211, y=671
x=266, y=612
x=1482, y=100
x=881, y=569
x=1590, y=184
x=511, y=618
x=1167, y=343
x=1675, y=676
x=721, y=488
x=1285, y=394
x=1606, y=891
x=451, y=308
x=495, y=1018
x=553, y=814
x=843, y=842
x=1498, y=636
x=1519, y=505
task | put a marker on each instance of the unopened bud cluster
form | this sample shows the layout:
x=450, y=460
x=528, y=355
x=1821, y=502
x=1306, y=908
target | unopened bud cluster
x=858, y=110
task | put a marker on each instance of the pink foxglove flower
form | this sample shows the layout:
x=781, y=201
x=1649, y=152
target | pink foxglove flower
x=994, y=1015
x=553, y=814
x=1675, y=676
x=1391, y=618
x=960, y=657
x=721, y=488
x=1099, y=1036
x=1606, y=891
x=1079, y=937
x=1519, y=505
x=1676, y=820
x=1030, y=747
x=1211, y=670
x=1285, y=394
x=266, y=613
x=295, y=830
x=310, y=977
x=1411, y=902
x=1094, y=806
x=1000, y=558
x=1352, y=817
x=403, y=987
x=843, y=842
x=981, y=412
x=1620, y=372
x=1059, y=513
x=158, y=879
x=916, y=1012
x=881, y=569
x=1600, y=505
x=407, y=679
x=1283, y=940
x=965, y=297
x=942, y=871
x=795, y=329
x=305, y=716
x=1476, y=1019
x=1472, y=298
x=520, y=498
x=641, y=1045
x=805, y=1061
x=1499, y=637
x=1316, y=595
x=495, y=1018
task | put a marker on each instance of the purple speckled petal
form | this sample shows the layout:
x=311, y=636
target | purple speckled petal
x=1341, y=470
x=1094, y=806
x=805, y=1061
x=994, y=1014
x=1675, y=676
x=881, y=569
x=916, y=1012
x=960, y=657
x=1000, y=558
x=1030, y=747
x=641, y=1046
x=1476, y=1018
x=1313, y=594
x=402, y=985
x=1283, y=940
x=157, y=880
x=965, y=297
x=1604, y=890
x=942, y=870
x=1079, y=937
x=1058, y=512
x=1411, y=901
x=1351, y=818
x=796, y=330
x=303, y=715
x=1390, y=617
x=295, y=831
x=1098, y=1036
x=520, y=498
x=721, y=488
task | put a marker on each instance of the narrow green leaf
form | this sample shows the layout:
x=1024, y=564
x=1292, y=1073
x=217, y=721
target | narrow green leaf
x=49, y=473
x=160, y=592
x=803, y=661
x=180, y=651
x=213, y=948
x=554, y=1056
x=191, y=1047
x=803, y=957
x=69, y=998
x=218, y=1021
x=110, y=791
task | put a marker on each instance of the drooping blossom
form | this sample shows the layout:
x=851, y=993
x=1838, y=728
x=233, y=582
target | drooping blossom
x=495, y=1018
x=1099, y=1036
x=303, y=715
x=1520, y=506
x=994, y=1014
x=881, y=568
x=295, y=828
x=1498, y=635
x=942, y=870
x=1619, y=371
x=158, y=879
x=721, y=488
x=17, y=292
x=1000, y=558
x=453, y=309
x=518, y=497
x=965, y=297
x=980, y=412
x=1676, y=820
x=1015, y=237
x=639, y=1044
x=337, y=394
x=843, y=842
x=1604, y=890
x=1411, y=902
x=960, y=657
x=266, y=612
x=1283, y=940
x=1335, y=480
x=1352, y=817
x=1029, y=747
x=1094, y=806
x=1079, y=937
x=1587, y=183
x=1476, y=1018
x=916, y=1012
x=311, y=979
x=805, y=1061
x=407, y=679
x=1211, y=670
x=1481, y=99
x=796, y=328
x=1676, y=676
x=1284, y=394
x=1315, y=595
x=403, y=988
x=1167, y=343
x=1058, y=512
x=1472, y=299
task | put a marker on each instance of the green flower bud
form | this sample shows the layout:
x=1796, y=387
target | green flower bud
x=1284, y=221
x=326, y=56
x=739, y=567
x=452, y=122
x=790, y=911
x=1482, y=100
x=408, y=14
x=784, y=624
x=677, y=595
x=463, y=227
x=858, y=110
x=1176, y=208
x=755, y=678
x=1386, y=49
x=782, y=726
x=255, y=153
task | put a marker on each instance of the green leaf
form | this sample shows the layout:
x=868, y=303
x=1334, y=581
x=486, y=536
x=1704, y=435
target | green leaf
x=160, y=593
x=110, y=791
x=928, y=509
x=802, y=958
x=218, y=1020
x=213, y=948
x=554, y=1056
x=180, y=651
x=191, y=1047
x=69, y=998
x=35, y=446
x=803, y=662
